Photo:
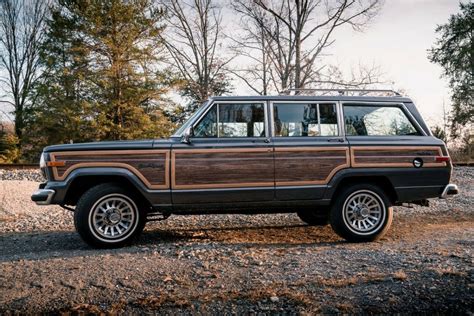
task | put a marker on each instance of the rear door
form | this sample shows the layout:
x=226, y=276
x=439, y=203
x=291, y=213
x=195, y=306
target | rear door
x=310, y=147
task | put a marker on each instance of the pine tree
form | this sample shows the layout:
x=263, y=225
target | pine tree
x=102, y=81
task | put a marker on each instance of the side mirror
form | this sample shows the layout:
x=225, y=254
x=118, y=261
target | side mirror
x=187, y=134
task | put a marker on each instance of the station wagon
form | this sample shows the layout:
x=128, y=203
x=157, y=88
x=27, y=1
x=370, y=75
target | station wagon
x=342, y=159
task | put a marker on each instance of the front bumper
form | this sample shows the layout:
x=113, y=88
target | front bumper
x=449, y=191
x=43, y=196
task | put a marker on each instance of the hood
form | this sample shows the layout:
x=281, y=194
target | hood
x=112, y=145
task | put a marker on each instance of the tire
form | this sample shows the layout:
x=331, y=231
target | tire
x=361, y=213
x=108, y=216
x=314, y=218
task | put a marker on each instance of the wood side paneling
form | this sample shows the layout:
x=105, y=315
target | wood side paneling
x=308, y=165
x=151, y=166
x=222, y=168
x=394, y=156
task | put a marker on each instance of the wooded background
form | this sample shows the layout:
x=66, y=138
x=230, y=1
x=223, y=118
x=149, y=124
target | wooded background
x=90, y=70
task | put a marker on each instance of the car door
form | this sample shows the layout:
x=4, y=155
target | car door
x=229, y=158
x=310, y=147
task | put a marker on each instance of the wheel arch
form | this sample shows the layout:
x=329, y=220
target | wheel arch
x=347, y=179
x=83, y=179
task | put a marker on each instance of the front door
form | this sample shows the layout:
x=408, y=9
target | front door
x=229, y=158
x=309, y=148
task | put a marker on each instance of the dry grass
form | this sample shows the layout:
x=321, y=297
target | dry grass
x=400, y=275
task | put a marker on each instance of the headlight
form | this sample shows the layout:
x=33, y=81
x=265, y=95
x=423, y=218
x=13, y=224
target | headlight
x=42, y=161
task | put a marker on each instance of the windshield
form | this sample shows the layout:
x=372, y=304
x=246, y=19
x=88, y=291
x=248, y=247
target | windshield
x=189, y=121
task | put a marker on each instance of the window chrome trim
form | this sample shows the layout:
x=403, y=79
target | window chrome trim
x=211, y=104
x=318, y=102
x=340, y=120
x=399, y=105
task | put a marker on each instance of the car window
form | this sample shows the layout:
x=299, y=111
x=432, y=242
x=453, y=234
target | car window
x=207, y=127
x=305, y=119
x=241, y=120
x=233, y=120
x=377, y=121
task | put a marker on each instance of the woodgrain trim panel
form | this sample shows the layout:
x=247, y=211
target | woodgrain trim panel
x=315, y=149
x=399, y=149
x=176, y=186
x=135, y=171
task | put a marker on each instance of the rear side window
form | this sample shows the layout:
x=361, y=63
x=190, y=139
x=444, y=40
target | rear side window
x=301, y=119
x=364, y=120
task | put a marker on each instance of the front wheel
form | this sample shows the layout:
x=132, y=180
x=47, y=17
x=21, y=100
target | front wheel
x=107, y=216
x=361, y=213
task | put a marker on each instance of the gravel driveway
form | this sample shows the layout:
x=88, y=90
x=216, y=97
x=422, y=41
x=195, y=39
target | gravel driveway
x=237, y=263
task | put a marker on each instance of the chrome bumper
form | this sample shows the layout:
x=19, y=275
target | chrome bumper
x=449, y=190
x=43, y=196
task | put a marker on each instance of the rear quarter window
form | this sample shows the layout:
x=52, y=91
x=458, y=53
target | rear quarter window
x=369, y=120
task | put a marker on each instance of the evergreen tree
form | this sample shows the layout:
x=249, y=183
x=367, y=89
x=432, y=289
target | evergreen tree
x=454, y=51
x=102, y=81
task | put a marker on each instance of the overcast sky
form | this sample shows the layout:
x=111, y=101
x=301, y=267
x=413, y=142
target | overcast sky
x=397, y=41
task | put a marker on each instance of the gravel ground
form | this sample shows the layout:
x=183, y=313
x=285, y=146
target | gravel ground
x=259, y=264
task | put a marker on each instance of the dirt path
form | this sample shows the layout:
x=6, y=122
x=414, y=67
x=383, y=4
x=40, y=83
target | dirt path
x=277, y=268
x=238, y=264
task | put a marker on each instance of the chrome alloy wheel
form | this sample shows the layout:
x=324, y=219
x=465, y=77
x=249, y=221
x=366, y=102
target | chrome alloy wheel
x=113, y=217
x=364, y=212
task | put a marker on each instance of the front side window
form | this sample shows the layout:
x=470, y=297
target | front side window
x=302, y=119
x=207, y=127
x=232, y=120
x=362, y=120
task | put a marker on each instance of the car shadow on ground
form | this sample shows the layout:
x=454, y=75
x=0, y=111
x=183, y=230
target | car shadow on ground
x=63, y=244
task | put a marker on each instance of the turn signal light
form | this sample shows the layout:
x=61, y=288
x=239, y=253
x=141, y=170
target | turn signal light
x=56, y=163
x=442, y=158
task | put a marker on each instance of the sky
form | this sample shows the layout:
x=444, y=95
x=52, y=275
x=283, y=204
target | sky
x=397, y=41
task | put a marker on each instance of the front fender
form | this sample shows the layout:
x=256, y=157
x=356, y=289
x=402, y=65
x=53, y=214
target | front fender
x=61, y=187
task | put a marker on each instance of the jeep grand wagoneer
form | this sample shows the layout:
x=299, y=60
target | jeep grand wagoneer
x=343, y=160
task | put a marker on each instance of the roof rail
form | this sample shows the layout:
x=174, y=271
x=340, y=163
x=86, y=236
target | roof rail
x=361, y=92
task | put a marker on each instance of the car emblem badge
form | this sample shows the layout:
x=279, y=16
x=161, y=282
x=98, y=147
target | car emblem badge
x=418, y=162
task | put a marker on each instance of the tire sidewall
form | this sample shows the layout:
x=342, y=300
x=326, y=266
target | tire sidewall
x=84, y=212
x=343, y=229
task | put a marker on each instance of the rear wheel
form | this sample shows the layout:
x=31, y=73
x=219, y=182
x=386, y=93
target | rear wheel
x=361, y=213
x=319, y=217
x=107, y=216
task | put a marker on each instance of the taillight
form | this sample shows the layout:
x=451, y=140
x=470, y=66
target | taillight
x=442, y=158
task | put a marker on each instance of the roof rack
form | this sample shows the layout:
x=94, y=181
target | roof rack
x=361, y=92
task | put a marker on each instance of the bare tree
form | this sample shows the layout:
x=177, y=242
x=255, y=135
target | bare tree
x=253, y=47
x=300, y=31
x=22, y=24
x=194, y=39
x=360, y=77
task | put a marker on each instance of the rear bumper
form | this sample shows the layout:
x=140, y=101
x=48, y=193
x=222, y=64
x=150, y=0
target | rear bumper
x=449, y=191
x=43, y=196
